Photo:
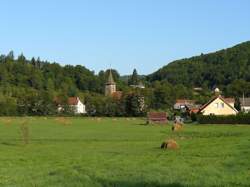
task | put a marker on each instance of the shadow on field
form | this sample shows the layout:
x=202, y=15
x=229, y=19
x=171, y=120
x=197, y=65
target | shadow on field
x=8, y=144
x=107, y=183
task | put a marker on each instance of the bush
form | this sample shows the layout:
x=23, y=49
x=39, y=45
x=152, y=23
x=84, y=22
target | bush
x=232, y=119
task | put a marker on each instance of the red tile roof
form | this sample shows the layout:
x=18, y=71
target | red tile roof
x=194, y=110
x=73, y=100
x=117, y=95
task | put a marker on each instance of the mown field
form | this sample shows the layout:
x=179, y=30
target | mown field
x=120, y=152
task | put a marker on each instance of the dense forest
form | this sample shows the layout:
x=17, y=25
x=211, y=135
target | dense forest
x=30, y=86
x=227, y=69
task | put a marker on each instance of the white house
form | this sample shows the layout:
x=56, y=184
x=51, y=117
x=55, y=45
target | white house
x=77, y=106
x=74, y=103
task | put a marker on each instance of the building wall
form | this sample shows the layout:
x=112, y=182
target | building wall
x=79, y=108
x=110, y=89
x=218, y=107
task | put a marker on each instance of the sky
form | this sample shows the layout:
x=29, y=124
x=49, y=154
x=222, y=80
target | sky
x=123, y=34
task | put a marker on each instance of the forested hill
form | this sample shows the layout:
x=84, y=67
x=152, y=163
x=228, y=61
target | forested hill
x=214, y=69
x=17, y=74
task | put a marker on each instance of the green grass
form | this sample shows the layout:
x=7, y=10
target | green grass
x=121, y=152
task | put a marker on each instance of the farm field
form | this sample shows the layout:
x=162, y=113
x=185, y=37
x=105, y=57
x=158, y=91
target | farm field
x=120, y=152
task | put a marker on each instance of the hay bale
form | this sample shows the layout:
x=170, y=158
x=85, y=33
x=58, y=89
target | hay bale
x=169, y=144
x=177, y=126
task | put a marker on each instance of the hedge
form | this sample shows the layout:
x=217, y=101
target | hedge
x=232, y=119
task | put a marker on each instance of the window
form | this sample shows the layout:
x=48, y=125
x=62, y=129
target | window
x=216, y=105
x=222, y=105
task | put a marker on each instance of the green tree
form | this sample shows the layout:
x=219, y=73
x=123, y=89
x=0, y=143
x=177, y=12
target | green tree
x=134, y=79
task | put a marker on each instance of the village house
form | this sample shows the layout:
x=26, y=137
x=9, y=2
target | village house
x=245, y=104
x=75, y=104
x=157, y=117
x=181, y=104
x=219, y=106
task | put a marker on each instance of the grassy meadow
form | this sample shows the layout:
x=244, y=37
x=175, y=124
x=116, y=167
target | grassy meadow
x=120, y=152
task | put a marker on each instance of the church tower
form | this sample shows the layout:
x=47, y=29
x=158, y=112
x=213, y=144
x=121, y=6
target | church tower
x=110, y=86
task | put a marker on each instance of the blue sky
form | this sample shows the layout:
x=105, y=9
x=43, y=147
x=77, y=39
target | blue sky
x=141, y=34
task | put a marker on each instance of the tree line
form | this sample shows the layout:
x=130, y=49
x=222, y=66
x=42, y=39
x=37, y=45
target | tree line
x=30, y=86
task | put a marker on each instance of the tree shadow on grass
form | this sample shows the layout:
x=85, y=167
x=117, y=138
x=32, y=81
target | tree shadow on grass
x=9, y=143
x=107, y=183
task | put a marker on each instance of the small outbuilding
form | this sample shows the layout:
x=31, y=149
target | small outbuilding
x=157, y=117
x=245, y=104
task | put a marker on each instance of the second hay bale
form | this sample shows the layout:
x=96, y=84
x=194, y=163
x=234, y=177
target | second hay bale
x=169, y=144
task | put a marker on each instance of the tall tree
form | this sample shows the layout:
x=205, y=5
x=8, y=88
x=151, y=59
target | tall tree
x=134, y=79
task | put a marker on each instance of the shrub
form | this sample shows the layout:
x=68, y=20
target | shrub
x=232, y=119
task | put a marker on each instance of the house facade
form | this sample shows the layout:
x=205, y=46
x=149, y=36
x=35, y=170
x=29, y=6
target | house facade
x=218, y=106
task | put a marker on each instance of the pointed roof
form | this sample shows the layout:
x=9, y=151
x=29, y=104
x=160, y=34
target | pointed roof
x=221, y=98
x=110, y=78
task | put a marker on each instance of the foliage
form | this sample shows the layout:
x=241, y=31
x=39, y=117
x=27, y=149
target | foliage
x=240, y=118
x=135, y=104
x=228, y=69
x=134, y=79
x=29, y=87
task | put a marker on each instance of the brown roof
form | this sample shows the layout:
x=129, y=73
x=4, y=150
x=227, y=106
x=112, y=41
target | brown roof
x=73, y=100
x=219, y=96
x=229, y=100
x=246, y=101
x=157, y=115
x=194, y=110
x=184, y=101
x=117, y=95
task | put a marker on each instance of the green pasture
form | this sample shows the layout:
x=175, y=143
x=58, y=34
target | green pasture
x=53, y=152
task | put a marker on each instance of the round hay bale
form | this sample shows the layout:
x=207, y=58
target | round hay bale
x=169, y=144
x=177, y=126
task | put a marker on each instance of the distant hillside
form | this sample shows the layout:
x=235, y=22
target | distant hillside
x=213, y=69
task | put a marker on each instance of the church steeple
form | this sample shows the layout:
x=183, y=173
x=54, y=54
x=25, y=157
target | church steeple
x=110, y=86
x=110, y=78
